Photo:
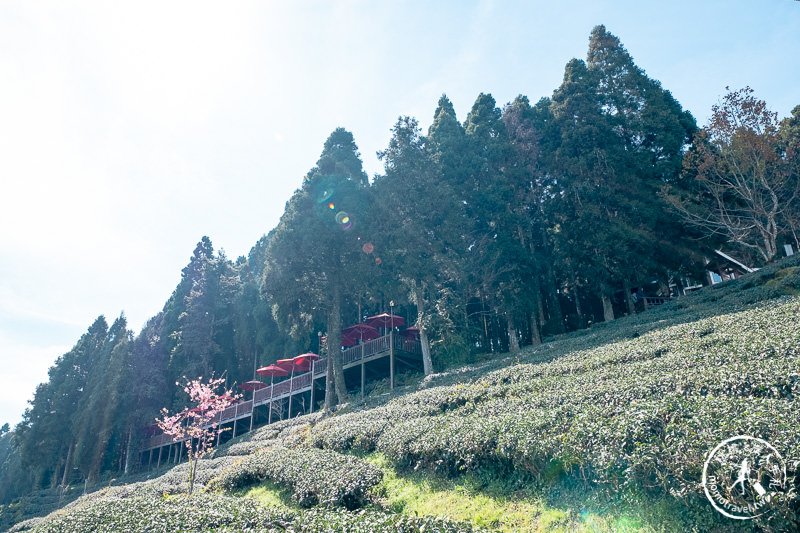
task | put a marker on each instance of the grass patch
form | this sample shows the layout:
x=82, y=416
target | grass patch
x=270, y=495
x=508, y=506
x=464, y=498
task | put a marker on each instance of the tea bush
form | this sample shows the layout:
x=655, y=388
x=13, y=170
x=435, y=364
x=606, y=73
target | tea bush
x=196, y=513
x=644, y=411
x=373, y=521
x=224, y=514
x=314, y=476
x=629, y=407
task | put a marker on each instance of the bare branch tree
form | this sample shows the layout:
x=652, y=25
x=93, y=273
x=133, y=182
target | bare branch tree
x=744, y=185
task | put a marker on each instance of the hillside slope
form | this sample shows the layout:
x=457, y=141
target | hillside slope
x=606, y=429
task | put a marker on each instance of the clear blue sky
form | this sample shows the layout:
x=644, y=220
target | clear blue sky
x=130, y=130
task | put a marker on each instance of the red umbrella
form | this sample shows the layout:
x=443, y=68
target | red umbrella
x=300, y=363
x=385, y=320
x=286, y=364
x=253, y=385
x=410, y=332
x=349, y=341
x=303, y=361
x=364, y=332
x=271, y=371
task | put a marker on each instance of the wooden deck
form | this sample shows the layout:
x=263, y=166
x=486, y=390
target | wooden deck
x=387, y=346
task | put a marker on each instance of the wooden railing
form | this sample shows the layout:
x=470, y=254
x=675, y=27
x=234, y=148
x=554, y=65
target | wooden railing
x=365, y=350
x=404, y=344
x=650, y=301
x=300, y=382
x=380, y=345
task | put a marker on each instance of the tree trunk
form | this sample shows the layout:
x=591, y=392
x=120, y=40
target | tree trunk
x=608, y=308
x=67, y=466
x=425, y=345
x=554, y=311
x=57, y=473
x=427, y=361
x=192, y=472
x=329, y=386
x=334, y=342
x=578, y=308
x=536, y=335
x=540, y=316
x=628, y=300
x=128, y=452
x=513, y=340
x=486, y=344
x=793, y=227
x=556, y=315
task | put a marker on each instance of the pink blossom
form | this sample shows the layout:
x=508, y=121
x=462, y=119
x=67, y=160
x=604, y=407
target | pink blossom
x=197, y=425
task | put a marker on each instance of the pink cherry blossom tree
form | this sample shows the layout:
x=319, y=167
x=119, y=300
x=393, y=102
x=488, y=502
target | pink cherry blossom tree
x=197, y=425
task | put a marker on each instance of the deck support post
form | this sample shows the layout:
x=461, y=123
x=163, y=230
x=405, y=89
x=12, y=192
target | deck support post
x=235, y=419
x=391, y=360
x=150, y=461
x=362, y=371
x=311, y=410
x=160, y=450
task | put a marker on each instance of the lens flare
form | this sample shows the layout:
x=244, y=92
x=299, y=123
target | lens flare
x=344, y=220
x=331, y=206
x=367, y=248
x=378, y=261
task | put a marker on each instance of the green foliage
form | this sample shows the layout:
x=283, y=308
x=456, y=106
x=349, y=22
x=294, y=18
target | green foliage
x=640, y=412
x=372, y=521
x=418, y=221
x=225, y=514
x=617, y=137
x=522, y=223
x=196, y=513
x=744, y=169
x=314, y=476
x=616, y=421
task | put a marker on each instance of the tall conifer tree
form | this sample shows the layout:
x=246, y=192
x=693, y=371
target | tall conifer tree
x=314, y=258
x=419, y=221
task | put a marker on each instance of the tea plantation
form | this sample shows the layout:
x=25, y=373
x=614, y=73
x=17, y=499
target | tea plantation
x=606, y=429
